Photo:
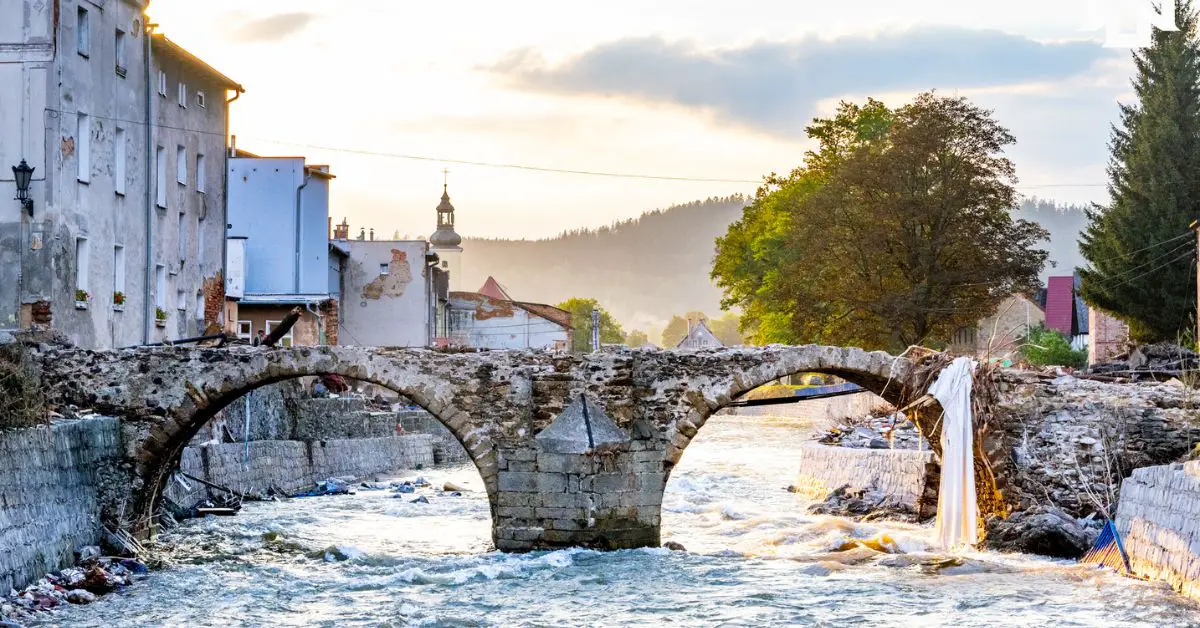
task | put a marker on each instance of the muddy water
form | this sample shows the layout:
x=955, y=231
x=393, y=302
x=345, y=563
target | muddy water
x=754, y=558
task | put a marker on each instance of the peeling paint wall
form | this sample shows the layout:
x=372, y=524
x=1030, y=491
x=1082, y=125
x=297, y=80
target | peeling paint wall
x=81, y=123
x=387, y=301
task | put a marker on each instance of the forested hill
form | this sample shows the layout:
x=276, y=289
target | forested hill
x=642, y=270
x=645, y=269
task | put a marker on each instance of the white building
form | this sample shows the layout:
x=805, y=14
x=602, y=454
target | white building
x=125, y=132
x=490, y=319
x=699, y=336
x=392, y=293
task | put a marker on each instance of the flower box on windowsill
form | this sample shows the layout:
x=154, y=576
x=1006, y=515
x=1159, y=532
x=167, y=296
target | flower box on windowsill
x=160, y=322
x=118, y=307
x=81, y=305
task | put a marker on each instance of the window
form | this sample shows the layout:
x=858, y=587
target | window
x=201, y=100
x=181, y=164
x=162, y=83
x=199, y=310
x=181, y=300
x=200, y=173
x=81, y=264
x=119, y=42
x=245, y=329
x=384, y=269
x=286, y=340
x=118, y=270
x=83, y=146
x=83, y=33
x=160, y=286
x=183, y=94
x=160, y=176
x=119, y=161
x=182, y=237
x=200, y=241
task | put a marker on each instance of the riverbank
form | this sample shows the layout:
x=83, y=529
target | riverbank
x=755, y=557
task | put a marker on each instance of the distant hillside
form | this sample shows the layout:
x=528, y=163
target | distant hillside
x=1064, y=222
x=642, y=270
x=646, y=269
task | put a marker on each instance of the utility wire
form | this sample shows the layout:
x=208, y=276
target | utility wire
x=488, y=164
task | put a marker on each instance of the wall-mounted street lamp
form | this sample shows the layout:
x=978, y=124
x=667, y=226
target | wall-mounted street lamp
x=23, y=175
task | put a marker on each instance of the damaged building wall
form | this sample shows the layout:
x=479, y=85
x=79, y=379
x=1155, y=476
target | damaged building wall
x=477, y=320
x=387, y=301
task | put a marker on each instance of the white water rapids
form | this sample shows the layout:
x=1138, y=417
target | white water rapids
x=755, y=559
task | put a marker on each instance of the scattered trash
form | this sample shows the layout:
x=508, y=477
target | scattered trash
x=405, y=487
x=332, y=486
x=420, y=481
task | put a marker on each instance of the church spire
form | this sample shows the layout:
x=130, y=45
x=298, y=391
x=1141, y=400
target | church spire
x=445, y=237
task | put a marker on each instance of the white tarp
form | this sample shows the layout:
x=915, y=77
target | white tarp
x=957, y=508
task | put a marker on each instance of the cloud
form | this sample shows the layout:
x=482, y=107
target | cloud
x=775, y=86
x=272, y=27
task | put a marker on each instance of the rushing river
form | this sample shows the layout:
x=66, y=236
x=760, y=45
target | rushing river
x=755, y=559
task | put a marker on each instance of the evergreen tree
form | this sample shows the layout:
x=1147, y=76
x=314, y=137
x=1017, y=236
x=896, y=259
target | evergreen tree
x=1138, y=249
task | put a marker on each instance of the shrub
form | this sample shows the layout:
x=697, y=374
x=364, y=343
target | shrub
x=1049, y=347
x=21, y=401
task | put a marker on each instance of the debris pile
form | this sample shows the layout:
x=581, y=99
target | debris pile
x=878, y=430
x=864, y=505
x=95, y=575
x=1151, y=362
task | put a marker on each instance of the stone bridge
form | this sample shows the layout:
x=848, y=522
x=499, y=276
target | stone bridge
x=574, y=450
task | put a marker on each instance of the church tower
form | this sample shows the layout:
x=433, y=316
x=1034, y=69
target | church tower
x=446, y=242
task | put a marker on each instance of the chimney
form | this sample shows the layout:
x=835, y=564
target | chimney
x=372, y=233
x=342, y=231
x=362, y=234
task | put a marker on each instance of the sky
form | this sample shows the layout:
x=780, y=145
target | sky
x=694, y=89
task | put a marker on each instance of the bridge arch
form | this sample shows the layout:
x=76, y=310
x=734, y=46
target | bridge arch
x=735, y=372
x=168, y=398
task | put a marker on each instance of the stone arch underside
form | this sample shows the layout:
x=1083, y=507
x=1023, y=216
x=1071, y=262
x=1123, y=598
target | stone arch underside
x=165, y=397
x=722, y=377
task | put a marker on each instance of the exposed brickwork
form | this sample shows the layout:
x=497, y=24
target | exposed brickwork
x=329, y=312
x=214, y=299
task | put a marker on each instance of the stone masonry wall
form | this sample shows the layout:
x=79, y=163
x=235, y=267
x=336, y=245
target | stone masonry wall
x=1159, y=521
x=294, y=465
x=50, y=486
x=899, y=473
x=446, y=448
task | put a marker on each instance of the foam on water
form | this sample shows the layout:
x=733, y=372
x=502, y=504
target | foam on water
x=755, y=557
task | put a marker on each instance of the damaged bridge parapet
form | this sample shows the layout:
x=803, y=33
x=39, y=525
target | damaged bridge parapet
x=572, y=449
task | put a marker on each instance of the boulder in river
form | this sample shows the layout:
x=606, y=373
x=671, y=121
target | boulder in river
x=80, y=596
x=1043, y=530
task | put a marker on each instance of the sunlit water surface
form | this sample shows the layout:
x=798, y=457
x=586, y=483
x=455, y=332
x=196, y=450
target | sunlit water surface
x=754, y=558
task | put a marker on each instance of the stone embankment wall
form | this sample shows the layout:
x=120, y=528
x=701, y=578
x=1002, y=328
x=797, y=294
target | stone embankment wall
x=446, y=448
x=1159, y=521
x=294, y=465
x=817, y=410
x=901, y=474
x=51, y=480
x=1071, y=441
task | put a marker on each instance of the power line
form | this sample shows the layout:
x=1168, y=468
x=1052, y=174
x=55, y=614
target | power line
x=488, y=164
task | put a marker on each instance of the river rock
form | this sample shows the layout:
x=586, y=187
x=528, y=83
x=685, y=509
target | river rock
x=674, y=547
x=80, y=596
x=1041, y=530
x=451, y=487
x=863, y=504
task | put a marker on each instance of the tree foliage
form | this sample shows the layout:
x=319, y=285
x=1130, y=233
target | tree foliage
x=895, y=231
x=1049, y=347
x=581, y=324
x=1140, y=260
x=726, y=328
x=636, y=338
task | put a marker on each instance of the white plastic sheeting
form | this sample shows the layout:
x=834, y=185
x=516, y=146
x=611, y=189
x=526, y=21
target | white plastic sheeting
x=958, y=510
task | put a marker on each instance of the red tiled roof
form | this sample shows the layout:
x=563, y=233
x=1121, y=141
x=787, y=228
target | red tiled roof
x=548, y=312
x=492, y=288
x=1060, y=304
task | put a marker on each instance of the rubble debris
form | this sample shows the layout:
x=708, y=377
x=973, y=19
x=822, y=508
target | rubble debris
x=83, y=584
x=1151, y=362
x=863, y=505
x=877, y=430
x=1044, y=530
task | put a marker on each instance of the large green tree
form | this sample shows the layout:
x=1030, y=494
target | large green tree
x=1138, y=249
x=581, y=323
x=895, y=231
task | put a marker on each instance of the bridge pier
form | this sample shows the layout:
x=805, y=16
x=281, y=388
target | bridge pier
x=609, y=499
